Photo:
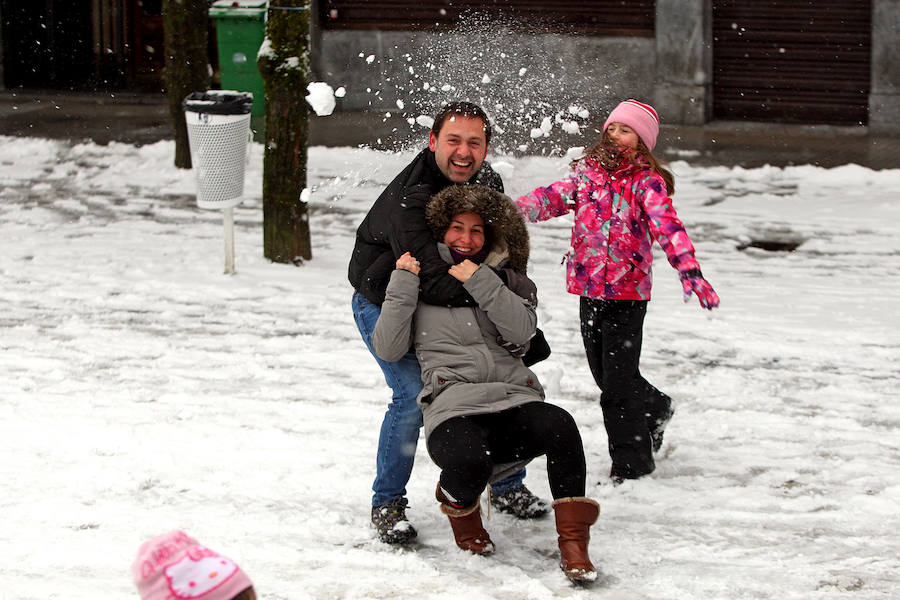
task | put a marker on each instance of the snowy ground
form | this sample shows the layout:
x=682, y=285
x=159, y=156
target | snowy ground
x=142, y=390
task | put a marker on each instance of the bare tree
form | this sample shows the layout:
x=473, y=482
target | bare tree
x=187, y=63
x=284, y=63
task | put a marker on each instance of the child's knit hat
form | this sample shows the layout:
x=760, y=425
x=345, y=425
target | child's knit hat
x=174, y=565
x=640, y=117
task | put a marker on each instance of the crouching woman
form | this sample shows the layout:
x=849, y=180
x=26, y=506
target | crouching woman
x=483, y=408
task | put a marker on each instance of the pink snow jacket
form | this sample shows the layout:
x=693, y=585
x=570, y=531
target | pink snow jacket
x=617, y=216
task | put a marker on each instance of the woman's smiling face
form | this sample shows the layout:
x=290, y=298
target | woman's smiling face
x=466, y=233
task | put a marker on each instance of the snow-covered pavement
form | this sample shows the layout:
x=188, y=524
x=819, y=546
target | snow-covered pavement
x=142, y=390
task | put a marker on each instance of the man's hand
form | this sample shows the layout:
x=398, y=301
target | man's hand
x=464, y=270
x=407, y=262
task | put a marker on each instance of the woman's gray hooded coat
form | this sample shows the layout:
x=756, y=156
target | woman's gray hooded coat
x=465, y=369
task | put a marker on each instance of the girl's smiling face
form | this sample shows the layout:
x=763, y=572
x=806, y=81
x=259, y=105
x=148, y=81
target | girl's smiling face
x=623, y=135
x=466, y=233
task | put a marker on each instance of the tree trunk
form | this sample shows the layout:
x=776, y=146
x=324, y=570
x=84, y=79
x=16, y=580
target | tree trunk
x=284, y=64
x=187, y=64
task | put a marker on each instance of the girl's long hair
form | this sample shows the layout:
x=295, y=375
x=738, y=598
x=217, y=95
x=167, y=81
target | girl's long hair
x=607, y=153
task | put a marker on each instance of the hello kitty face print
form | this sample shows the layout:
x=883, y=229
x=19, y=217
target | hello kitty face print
x=174, y=566
x=198, y=573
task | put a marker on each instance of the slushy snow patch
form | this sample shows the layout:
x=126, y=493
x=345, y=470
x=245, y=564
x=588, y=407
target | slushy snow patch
x=503, y=168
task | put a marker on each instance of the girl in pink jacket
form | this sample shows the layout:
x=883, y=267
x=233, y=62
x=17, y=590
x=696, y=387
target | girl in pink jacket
x=620, y=196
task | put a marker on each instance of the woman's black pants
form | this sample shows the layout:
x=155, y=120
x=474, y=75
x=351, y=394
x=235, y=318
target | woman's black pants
x=466, y=448
x=612, y=331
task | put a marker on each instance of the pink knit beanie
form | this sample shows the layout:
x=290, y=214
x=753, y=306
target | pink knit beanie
x=640, y=117
x=174, y=566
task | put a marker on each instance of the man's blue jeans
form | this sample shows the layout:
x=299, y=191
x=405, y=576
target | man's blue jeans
x=400, y=427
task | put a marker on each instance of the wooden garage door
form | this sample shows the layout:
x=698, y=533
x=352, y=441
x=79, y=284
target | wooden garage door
x=792, y=61
x=597, y=17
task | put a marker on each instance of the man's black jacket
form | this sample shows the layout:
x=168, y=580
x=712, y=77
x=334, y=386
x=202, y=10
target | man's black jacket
x=396, y=224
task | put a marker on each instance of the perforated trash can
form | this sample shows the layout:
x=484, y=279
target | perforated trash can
x=218, y=124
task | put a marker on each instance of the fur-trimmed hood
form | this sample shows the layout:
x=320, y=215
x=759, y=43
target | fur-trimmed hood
x=505, y=227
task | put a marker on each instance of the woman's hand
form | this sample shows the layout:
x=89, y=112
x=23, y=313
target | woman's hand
x=408, y=263
x=464, y=270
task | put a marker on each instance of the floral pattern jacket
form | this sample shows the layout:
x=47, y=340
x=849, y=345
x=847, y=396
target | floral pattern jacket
x=618, y=214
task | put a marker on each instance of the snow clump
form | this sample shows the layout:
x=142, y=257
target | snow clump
x=321, y=98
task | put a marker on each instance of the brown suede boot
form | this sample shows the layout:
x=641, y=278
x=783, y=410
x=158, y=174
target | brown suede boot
x=574, y=517
x=466, y=524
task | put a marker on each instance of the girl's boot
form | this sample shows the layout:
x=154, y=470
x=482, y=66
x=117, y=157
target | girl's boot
x=574, y=517
x=466, y=524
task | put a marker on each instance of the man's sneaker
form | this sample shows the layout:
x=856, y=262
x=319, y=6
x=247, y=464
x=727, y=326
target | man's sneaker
x=520, y=503
x=390, y=522
x=656, y=433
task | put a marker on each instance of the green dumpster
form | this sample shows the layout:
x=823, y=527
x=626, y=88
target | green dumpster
x=240, y=30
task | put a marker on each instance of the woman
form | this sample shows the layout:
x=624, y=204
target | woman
x=483, y=408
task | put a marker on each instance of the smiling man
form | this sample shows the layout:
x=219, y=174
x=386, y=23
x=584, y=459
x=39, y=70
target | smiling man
x=460, y=145
x=457, y=146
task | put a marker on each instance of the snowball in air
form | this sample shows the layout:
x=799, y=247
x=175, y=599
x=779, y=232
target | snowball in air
x=340, y=92
x=571, y=127
x=321, y=98
x=546, y=125
x=425, y=121
x=574, y=152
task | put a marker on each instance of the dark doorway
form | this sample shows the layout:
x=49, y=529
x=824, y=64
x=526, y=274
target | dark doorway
x=47, y=44
x=792, y=61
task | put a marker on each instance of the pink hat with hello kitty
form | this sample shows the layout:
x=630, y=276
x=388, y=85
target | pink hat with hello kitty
x=640, y=117
x=174, y=566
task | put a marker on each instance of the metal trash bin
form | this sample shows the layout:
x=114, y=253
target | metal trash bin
x=218, y=125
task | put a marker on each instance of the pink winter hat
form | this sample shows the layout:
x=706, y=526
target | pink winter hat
x=174, y=566
x=640, y=117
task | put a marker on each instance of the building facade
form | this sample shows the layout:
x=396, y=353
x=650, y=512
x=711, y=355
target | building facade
x=784, y=61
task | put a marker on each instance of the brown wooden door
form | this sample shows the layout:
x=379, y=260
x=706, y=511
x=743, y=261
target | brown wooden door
x=792, y=61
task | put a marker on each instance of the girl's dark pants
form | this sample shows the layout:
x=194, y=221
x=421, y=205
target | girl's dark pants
x=466, y=449
x=612, y=330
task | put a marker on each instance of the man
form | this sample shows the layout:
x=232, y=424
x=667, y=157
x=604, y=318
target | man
x=457, y=146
